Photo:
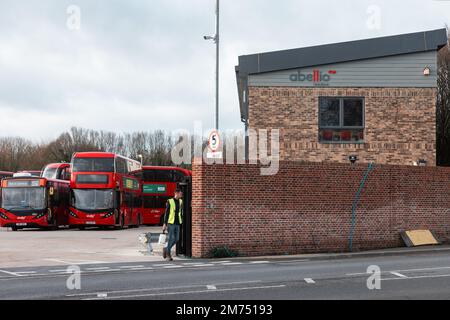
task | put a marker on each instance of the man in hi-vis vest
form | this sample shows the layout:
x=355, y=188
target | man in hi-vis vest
x=172, y=222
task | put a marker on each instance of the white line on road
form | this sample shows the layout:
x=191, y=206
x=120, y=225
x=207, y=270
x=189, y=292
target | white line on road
x=398, y=274
x=418, y=277
x=98, y=268
x=162, y=265
x=404, y=270
x=173, y=267
x=166, y=288
x=259, y=262
x=26, y=272
x=58, y=271
x=191, y=292
x=309, y=280
x=75, y=263
x=204, y=265
x=232, y=263
x=211, y=287
x=10, y=273
x=218, y=262
x=131, y=267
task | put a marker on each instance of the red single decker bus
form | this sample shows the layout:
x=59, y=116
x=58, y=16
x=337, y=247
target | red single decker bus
x=158, y=185
x=34, y=202
x=104, y=191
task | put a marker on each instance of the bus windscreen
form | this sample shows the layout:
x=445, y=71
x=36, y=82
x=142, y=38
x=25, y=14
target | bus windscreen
x=93, y=165
x=23, y=198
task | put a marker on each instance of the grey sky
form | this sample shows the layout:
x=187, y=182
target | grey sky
x=143, y=64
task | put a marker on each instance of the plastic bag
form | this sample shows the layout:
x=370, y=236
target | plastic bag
x=162, y=239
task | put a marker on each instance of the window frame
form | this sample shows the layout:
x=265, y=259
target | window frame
x=341, y=119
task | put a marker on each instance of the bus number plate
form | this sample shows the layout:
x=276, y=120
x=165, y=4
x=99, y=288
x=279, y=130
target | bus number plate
x=90, y=222
x=21, y=224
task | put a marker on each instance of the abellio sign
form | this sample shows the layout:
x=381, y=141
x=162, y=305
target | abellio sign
x=317, y=77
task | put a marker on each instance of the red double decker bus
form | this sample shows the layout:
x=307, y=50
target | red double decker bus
x=5, y=174
x=158, y=185
x=28, y=201
x=104, y=191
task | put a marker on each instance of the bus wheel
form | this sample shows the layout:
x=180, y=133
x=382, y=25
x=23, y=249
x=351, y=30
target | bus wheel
x=14, y=228
x=81, y=228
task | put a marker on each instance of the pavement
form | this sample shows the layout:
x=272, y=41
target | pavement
x=71, y=246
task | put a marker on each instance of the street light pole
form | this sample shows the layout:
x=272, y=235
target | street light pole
x=217, y=40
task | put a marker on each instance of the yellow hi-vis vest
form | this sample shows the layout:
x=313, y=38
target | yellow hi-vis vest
x=172, y=211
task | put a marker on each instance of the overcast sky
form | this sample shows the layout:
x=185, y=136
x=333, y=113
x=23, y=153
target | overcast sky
x=143, y=64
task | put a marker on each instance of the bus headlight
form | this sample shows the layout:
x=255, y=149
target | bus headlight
x=3, y=216
x=40, y=215
x=110, y=214
x=73, y=214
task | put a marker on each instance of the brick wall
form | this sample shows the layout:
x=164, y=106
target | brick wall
x=308, y=207
x=400, y=123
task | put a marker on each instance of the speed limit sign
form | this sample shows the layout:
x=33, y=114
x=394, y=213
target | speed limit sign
x=214, y=145
x=214, y=141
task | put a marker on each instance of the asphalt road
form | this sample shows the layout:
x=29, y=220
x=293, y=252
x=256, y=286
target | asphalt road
x=412, y=276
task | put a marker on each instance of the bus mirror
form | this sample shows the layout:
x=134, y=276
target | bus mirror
x=51, y=191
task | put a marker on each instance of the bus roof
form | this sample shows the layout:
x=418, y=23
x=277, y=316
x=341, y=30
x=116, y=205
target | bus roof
x=95, y=154
x=57, y=165
x=185, y=171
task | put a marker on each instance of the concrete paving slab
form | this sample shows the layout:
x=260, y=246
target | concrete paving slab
x=66, y=247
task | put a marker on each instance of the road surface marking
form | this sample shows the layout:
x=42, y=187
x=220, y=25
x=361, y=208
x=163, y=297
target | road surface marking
x=309, y=280
x=211, y=287
x=204, y=265
x=292, y=261
x=11, y=273
x=259, y=262
x=131, y=267
x=232, y=263
x=191, y=292
x=172, y=267
x=404, y=270
x=98, y=268
x=102, y=295
x=61, y=270
x=165, y=288
x=71, y=263
x=218, y=262
x=191, y=264
x=398, y=274
x=26, y=272
x=162, y=265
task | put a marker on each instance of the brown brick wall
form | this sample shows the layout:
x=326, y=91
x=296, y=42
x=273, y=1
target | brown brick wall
x=308, y=207
x=400, y=123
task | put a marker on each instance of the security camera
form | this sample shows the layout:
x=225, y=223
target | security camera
x=208, y=37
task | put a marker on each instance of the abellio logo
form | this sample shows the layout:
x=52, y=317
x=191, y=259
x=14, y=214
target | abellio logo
x=317, y=76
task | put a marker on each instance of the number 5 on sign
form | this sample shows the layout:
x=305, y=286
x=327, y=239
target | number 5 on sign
x=214, y=144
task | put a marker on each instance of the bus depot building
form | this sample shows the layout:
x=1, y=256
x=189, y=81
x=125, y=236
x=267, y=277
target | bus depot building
x=374, y=98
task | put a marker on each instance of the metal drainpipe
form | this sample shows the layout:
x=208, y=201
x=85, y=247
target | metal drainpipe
x=355, y=204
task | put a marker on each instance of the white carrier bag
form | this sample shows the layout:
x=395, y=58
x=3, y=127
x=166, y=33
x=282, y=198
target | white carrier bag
x=162, y=239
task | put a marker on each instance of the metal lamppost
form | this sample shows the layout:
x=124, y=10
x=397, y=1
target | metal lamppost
x=216, y=40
